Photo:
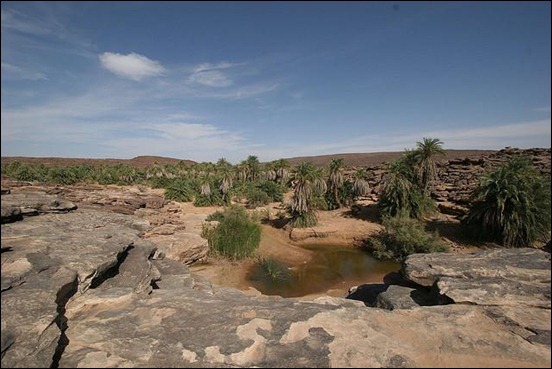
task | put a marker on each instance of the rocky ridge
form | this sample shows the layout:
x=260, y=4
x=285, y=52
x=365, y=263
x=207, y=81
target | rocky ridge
x=459, y=177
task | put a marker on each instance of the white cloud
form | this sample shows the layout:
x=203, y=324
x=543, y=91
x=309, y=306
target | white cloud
x=43, y=31
x=195, y=141
x=19, y=22
x=211, y=78
x=125, y=123
x=133, y=66
x=208, y=66
x=239, y=93
x=10, y=71
x=210, y=75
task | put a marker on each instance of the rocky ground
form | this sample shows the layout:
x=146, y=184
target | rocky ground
x=97, y=276
x=88, y=287
x=458, y=176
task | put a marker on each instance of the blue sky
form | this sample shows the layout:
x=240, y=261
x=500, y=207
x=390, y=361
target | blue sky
x=207, y=80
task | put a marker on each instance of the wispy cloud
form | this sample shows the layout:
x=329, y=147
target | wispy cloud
x=204, y=67
x=115, y=125
x=501, y=135
x=14, y=72
x=196, y=141
x=133, y=66
x=211, y=78
x=521, y=134
x=545, y=109
x=43, y=32
x=13, y=20
x=208, y=74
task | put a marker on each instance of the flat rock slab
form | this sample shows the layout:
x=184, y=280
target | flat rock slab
x=191, y=328
x=495, y=291
x=492, y=277
x=48, y=259
x=32, y=203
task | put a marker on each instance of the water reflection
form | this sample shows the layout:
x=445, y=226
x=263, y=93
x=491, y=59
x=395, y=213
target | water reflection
x=330, y=266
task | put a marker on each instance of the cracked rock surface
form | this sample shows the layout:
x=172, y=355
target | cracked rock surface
x=84, y=289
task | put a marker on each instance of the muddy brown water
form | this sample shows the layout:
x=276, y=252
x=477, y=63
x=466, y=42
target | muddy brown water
x=331, y=267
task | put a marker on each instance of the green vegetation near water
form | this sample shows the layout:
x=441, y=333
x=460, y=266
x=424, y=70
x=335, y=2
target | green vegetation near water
x=511, y=206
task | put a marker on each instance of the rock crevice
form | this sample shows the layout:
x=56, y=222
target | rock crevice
x=51, y=318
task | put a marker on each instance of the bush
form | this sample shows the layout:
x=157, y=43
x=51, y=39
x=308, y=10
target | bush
x=216, y=216
x=403, y=236
x=272, y=189
x=275, y=270
x=256, y=197
x=181, y=190
x=63, y=176
x=304, y=220
x=345, y=194
x=401, y=197
x=236, y=237
x=160, y=182
x=213, y=199
x=24, y=172
x=511, y=206
x=259, y=193
x=402, y=193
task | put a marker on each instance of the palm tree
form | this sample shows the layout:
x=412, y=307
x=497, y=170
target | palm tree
x=304, y=178
x=319, y=185
x=253, y=167
x=282, y=171
x=511, y=205
x=425, y=153
x=335, y=180
x=241, y=171
x=205, y=189
x=226, y=177
x=401, y=195
x=222, y=163
x=268, y=173
x=360, y=184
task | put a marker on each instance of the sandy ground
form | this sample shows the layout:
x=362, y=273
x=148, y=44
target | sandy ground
x=340, y=228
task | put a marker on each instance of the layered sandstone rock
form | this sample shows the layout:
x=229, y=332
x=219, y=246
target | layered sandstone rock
x=460, y=176
x=84, y=289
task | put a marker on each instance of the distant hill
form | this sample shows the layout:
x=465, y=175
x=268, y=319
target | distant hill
x=351, y=159
x=375, y=158
x=138, y=162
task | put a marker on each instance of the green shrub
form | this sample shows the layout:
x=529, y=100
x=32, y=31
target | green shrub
x=304, y=220
x=404, y=191
x=24, y=172
x=511, y=206
x=403, y=236
x=160, y=182
x=401, y=197
x=63, y=176
x=181, y=189
x=216, y=216
x=275, y=270
x=256, y=197
x=272, y=189
x=345, y=195
x=213, y=199
x=236, y=237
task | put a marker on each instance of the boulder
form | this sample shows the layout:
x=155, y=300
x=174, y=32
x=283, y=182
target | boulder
x=513, y=277
x=399, y=297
